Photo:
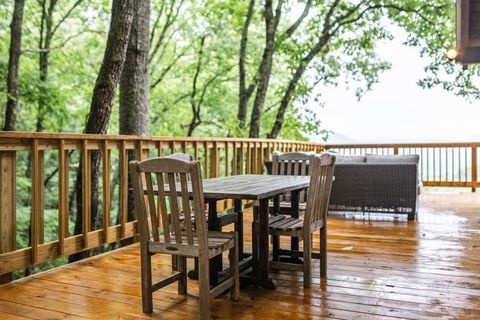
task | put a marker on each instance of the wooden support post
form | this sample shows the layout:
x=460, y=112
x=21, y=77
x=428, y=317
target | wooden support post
x=395, y=150
x=474, y=166
x=7, y=206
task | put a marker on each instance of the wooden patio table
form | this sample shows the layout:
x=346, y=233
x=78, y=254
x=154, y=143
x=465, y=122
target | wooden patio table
x=261, y=188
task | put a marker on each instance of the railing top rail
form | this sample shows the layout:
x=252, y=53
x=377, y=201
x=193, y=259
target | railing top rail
x=83, y=136
x=402, y=145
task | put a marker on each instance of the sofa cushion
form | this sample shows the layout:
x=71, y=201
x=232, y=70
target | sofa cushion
x=373, y=158
x=342, y=159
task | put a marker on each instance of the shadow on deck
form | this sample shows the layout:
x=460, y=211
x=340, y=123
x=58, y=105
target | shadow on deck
x=378, y=268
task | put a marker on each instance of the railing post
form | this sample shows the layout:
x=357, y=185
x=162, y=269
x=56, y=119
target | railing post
x=7, y=206
x=395, y=150
x=474, y=166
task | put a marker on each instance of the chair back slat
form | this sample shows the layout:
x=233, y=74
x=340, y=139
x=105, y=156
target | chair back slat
x=151, y=205
x=199, y=207
x=319, y=189
x=178, y=181
x=293, y=163
x=163, y=207
x=174, y=212
x=186, y=208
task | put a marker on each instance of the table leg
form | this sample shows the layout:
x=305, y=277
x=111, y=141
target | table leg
x=295, y=203
x=213, y=225
x=263, y=253
x=237, y=206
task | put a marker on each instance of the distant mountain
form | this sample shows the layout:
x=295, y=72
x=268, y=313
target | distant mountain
x=338, y=138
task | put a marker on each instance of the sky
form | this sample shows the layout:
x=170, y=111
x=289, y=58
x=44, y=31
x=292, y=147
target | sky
x=397, y=109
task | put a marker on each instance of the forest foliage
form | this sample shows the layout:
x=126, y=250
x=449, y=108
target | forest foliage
x=194, y=59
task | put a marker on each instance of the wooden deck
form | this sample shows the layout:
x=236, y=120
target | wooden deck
x=378, y=269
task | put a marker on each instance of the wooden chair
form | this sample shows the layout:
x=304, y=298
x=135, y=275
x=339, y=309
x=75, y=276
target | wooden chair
x=151, y=209
x=293, y=164
x=235, y=217
x=315, y=218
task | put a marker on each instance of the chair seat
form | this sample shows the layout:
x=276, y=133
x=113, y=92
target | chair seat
x=218, y=242
x=288, y=204
x=283, y=225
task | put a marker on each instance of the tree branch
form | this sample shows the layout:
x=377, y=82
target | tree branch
x=61, y=45
x=65, y=17
x=167, y=69
x=288, y=33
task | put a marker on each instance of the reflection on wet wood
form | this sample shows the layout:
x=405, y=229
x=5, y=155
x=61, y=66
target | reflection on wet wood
x=378, y=268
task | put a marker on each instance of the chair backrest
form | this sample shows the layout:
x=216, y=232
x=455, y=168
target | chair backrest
x=292, y=164
x=319, y=189
x=161, y=185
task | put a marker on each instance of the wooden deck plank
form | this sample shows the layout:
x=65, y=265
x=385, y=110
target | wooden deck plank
x=378, y=269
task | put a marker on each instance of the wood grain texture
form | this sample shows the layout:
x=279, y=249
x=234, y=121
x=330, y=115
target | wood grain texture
x=378, y=269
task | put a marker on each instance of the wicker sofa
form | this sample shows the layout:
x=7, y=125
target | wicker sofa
x=374, y=183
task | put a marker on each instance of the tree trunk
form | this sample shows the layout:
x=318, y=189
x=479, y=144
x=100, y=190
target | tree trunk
x=244, y=92
x=292, y=85
x=265, y=71
x=44, y=45
x=134, y=95
x=102, y=100
x=13, y=65
x=134, y=84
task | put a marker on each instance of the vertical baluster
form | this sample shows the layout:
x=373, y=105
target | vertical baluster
x=184, y=147
x=195, y=150
x=249, y=158
x=160, y=149
x=227, y=159
x=241, y=165
x=106, y=190
x=214, y=161
x=63, y=163
x=428, y=164
x=235, y=159
x=254, y=159
x=123, y=163
x=205, y=160
x=474, y=166
x=261, y=158
x=86, y=201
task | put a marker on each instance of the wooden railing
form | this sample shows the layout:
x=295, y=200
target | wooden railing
x=441, y=164
x=43, y=167
x=38, y=173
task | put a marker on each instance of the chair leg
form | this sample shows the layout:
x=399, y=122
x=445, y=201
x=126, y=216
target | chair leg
x=276, y=247
x=204, y=287
x=323, y=252
x=307, y=262
x=233, y=258
x=146, y=266
x=174, y=263
x=182, y=267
